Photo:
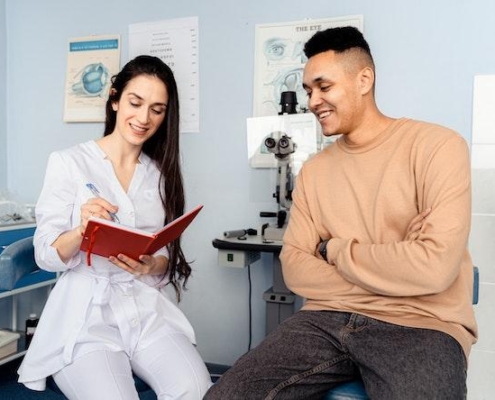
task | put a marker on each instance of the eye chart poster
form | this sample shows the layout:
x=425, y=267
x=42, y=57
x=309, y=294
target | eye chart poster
x=175, y=42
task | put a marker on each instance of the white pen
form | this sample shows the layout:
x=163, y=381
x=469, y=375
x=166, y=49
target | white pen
x=96, y=192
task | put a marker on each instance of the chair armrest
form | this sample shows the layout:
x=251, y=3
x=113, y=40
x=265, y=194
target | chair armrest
x=16, y=261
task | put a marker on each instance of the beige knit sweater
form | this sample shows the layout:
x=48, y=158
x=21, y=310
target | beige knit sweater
x=364, y=197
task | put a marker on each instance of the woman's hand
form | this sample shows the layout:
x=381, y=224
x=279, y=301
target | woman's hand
x=96, y=207
x=146, y=265
x=415, y=226
x=68, y=243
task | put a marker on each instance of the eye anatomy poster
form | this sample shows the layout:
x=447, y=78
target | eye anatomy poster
x=280, y=59
x=91, y=63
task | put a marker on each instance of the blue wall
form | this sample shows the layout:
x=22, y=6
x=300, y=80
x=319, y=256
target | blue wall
x=426, y=53
x=3, y=96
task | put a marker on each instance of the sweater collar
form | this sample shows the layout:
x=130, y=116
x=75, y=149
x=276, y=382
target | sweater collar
x=371, y=144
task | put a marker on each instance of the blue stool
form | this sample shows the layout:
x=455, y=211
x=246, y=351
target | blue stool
x=353, y=390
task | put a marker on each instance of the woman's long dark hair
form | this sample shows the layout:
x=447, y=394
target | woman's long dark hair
x=163, y=149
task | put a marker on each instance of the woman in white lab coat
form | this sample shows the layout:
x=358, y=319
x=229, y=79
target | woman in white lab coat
x=103, y=321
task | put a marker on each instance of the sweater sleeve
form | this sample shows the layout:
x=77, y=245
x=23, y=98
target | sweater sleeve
x=431, y=263
x=305, y=272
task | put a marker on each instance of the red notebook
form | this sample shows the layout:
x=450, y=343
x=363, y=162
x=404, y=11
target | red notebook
x=108, y=238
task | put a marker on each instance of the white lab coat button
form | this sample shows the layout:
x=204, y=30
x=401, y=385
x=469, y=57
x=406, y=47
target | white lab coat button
x=134, y=322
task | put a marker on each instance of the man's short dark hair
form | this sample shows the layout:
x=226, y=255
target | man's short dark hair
x=338, y=39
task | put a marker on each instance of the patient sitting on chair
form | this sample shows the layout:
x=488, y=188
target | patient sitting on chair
x=376, y=244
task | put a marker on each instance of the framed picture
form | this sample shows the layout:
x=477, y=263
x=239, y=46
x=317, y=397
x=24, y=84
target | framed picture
x=280, y=60
x=91, y=63
x=175, y=42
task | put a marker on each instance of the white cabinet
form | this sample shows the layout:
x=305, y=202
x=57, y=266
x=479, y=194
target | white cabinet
x=12, y=309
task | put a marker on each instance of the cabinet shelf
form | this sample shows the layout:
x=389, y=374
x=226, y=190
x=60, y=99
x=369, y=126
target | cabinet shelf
x=21, y=343
x=17, y=293
x=21, y=349
x=28, y=288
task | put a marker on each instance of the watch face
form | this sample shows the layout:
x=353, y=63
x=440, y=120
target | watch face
x=323, y=249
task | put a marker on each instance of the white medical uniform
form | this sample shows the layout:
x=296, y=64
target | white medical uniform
x=97, y=307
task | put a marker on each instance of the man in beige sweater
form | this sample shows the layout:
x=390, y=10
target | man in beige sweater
x=376, y=244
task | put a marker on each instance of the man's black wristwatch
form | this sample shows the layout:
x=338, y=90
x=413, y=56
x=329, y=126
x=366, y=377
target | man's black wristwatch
x=323, y=249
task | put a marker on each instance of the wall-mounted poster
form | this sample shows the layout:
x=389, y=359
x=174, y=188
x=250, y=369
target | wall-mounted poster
x=279, y=60
x=175, y=42
x=91, y=63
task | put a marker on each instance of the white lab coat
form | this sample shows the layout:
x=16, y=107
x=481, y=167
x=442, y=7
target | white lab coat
x=102, y=306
